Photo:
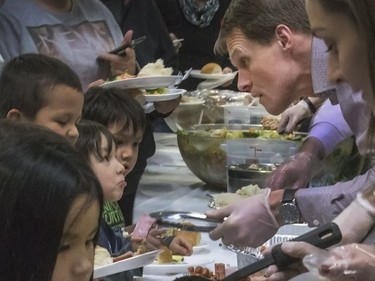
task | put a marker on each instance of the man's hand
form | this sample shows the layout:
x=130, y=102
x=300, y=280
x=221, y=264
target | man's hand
x=249, y=222
x=291, y=117
x=293, y=249
x=294, y=173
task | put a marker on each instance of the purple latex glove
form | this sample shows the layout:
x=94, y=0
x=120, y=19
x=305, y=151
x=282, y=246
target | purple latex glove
x=249, y=222
x=294, y=173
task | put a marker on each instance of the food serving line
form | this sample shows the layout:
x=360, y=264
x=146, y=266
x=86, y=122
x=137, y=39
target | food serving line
x=169, y=185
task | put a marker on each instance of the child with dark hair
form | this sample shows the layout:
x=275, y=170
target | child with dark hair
x=50, y=206
x=98, y=147
x=124, y=117
x=53, y=97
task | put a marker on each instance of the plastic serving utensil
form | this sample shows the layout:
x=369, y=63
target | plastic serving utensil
x=322, y=237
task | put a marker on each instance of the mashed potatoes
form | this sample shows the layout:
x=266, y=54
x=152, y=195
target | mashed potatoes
x=155, y=69
x=224, y=199
x=102, y=257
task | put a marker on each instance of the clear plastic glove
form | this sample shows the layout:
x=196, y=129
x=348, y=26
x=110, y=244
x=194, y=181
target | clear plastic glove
x=354, y=222
x=180, y=246
x=294, y=173
x=249, y=222
x=344, y=263
x=291, y=117
x=293, y=249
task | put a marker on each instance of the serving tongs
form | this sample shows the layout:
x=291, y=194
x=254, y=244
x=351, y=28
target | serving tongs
x=121, y=50
x=322, y=237
x=189, y=221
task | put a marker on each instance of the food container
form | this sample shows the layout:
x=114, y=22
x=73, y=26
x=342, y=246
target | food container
x=202, y=151
x=205, y=152
x=249, y=255
x=240, y=175
x=252, y=160
x=209, y=106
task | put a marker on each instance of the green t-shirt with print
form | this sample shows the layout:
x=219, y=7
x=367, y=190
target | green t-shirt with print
x=113, y=216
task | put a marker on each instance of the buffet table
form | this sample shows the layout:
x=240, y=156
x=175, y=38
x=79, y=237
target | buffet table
x=168, y=184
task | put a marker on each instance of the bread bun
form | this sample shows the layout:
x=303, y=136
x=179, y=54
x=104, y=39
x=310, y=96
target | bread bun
x=193, y=237
x=165, y=256
x=211, y=68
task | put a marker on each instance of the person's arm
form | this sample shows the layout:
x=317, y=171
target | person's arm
x=319, y=205
x=329, y=126
x=328, y=129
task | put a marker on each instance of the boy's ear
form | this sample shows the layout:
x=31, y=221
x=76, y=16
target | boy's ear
x=14, y=114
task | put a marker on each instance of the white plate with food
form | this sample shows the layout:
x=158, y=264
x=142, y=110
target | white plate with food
x=170, y=94
x=146, y=82
x=127, y=264
x=156, y=268
x=196, y=73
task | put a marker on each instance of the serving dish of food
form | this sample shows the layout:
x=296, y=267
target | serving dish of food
x=202, y=148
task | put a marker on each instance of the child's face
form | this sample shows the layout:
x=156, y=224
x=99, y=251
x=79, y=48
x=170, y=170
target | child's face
x=75, y=260
x=62, y=112
x=110, y=172
x=127, y=146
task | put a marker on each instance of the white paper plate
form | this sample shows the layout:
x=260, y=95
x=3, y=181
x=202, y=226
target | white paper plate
x=147, y=82
x=171, y=95
x=197, y=74
x=127, y=264
x=193, y=102
x=176, y=268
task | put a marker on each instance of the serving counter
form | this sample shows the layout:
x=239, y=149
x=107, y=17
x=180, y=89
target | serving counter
x=168, y=184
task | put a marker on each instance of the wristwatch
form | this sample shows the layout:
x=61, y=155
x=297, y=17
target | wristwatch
x=288, y=210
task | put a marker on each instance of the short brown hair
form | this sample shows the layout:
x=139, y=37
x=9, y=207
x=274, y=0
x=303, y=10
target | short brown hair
x=257, y=20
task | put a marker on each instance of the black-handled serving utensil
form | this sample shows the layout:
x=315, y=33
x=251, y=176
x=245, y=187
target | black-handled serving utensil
x=322, y=237
x=121, y=50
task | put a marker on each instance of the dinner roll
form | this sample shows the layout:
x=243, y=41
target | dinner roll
x=211, y=68
x=193, y=237
x=165, y=256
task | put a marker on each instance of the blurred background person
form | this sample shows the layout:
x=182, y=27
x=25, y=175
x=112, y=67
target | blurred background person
x=80, y=33
x=197, y=22
x=144, y=18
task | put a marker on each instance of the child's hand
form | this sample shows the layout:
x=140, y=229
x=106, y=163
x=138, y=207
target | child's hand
x=153, y=238
x=180, y=246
